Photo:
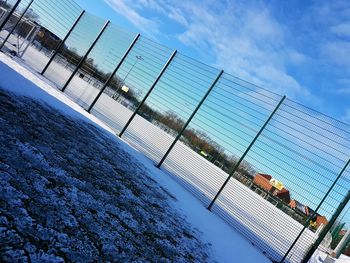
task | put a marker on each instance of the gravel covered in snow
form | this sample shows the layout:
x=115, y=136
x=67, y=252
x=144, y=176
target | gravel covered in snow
x=70, y=192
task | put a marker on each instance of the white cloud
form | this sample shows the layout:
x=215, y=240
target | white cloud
x=346, y=117
x=151, y=4
x=296, y=57
x=128, y=9
x=343, y=91
x=177, y=15
x=247, y=42
x=244, y=39
x=342, y=30
x=337, y=52
x=344, y=86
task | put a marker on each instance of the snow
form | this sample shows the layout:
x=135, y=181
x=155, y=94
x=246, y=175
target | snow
x=319, y=257
x=198, y=175
x=179, y=206
x=254, y=217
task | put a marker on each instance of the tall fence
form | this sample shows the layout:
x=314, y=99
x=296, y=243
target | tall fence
x=272, y=168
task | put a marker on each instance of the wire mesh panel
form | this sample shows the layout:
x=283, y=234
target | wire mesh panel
x=5, y=8
x=75, y=47
x=99, y=65
x=219, y=134
x=131, y=82
x=276, y=194
x=174, y=98
x=295, y=161
x=50, y=20
x=333, y=236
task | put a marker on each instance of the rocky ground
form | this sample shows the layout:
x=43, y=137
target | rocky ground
x=69, y=192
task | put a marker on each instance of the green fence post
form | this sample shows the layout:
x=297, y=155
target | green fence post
x=113, y=73
x=190, y=119
x=85, y=56
x=246, y=152
x=315, y=211
x=62, y=43
x=148, y=93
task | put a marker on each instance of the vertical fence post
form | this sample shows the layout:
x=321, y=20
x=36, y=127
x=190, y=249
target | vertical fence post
x=62, y=43
x=7, y=18
x=246, y=152
x=326, y=228
x=190, y=119
x=315, y=211
x=105, y=85
x=343, y=243
x=148, y=93
x=16, y=24
x=85, y=56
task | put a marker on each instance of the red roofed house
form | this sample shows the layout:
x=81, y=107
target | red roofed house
x=272, y=186
x=318, y=219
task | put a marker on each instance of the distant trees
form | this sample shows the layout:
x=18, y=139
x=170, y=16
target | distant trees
x=172, y=120
x=200, y=141
x=47, y=40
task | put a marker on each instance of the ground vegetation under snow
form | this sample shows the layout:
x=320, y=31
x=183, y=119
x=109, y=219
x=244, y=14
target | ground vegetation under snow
x=68, y=191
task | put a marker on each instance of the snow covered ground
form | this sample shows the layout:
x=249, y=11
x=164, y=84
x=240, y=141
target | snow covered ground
x=319, y=257
x=212, y=229
x=70, y=190
x=256, y=218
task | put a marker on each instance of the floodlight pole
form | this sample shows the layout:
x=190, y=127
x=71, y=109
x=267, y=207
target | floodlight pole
x=148, y=93
x=114, y=72
x=138, y=58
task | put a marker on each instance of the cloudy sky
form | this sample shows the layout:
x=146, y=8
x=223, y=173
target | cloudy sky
x=297, y=48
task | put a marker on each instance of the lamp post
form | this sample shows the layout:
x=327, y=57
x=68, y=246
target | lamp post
x=138, y=58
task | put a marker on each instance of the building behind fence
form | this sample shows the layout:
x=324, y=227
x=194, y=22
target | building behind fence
x=272, y=168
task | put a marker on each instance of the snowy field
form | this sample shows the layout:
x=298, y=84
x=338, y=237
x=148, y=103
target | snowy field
x=248, y=212
x=320, y=257
x=70, y=190
x=254, y=217
x=237, y=204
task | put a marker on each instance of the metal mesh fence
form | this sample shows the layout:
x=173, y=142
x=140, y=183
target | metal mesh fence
x=175, y=96
x=273, y=169
x=225, y=124
x=76, y=45
x=98, y=66
x=297, y=147
x=49, y=29
x=40, y=30
x=11, y=20
x=131, y=82
x=337, y=240
x=5, y=8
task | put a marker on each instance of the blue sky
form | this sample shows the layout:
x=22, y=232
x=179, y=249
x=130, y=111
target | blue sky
x=296, y=48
